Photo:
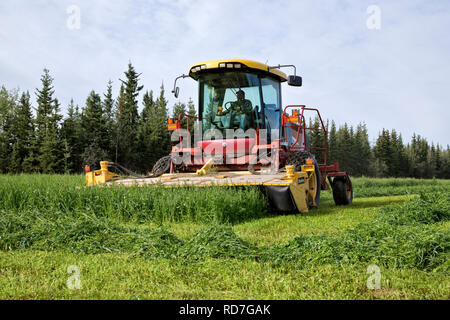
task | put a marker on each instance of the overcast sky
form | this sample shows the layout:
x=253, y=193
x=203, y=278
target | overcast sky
x=395, y=76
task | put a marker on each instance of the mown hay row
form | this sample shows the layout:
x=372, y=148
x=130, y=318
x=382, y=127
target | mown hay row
x=400, y=236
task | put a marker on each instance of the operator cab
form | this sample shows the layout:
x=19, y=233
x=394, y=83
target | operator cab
x=240, y=94
x=233, y=100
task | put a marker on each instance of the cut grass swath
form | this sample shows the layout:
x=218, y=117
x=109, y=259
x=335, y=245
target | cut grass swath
x=400, y=236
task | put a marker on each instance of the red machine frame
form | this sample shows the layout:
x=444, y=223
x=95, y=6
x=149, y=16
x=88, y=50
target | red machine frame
x=327, y=171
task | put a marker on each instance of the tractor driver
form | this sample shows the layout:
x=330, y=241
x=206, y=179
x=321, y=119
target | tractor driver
x=241, y=110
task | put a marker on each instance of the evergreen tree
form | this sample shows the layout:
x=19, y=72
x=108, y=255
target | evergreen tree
x=383, y=153
x=160, y=136
x=119, y=105
x=73, y=137
x=432, y=160
x=146, y=147
x=51, y=155
x=127, y=119
x=110, y=121
x=8, y=102
x=351, y=161
x=361, y=154
x=47, y=143
x=191, y=108
x=192, y=121
x=418, y=157
x=438, y=162
x=30, y=163
x=344, y=143
x=93, y=122
x=398, y=163
x=45, y=105
x=22, y=134
x=403, y=162
x=179, y=110
x=317, y=139
x=332, y=147
x=444, y=172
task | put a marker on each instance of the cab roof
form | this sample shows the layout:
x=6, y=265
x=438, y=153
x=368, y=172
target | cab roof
x=234, y=64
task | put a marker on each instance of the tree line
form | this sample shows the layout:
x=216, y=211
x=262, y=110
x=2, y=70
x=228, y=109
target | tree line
x=41, y=139
x=388, y=157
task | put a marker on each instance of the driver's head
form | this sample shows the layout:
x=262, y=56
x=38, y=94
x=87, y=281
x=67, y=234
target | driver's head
x=218, y=94
x=240, y=95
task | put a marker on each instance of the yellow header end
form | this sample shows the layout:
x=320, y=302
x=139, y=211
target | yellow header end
x=205, y=168
x=100, y=176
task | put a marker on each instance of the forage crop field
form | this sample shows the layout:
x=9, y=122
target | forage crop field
x=219, y=243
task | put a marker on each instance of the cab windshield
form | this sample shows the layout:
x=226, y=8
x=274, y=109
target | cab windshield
x=232, y=100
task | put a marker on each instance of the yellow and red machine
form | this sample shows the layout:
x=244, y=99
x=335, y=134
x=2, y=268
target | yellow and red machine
x=248, y=137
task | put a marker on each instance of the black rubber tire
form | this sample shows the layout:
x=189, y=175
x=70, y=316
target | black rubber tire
x=340, y=194
x=161, y=166
x=297, y=159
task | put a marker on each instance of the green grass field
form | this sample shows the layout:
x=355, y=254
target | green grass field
x=215, y=243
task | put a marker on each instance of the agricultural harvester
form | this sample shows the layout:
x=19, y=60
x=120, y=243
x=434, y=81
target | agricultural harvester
x=243, y=136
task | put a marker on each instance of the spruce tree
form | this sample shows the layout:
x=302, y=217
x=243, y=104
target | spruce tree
x=383, y=153
x=418, y=154
x=192, y=120
x=444, y=173
x=47, y=143
x=45, y=104
x=127, y=119
x=191, y=108
x=438, y=162
x=73, y=138
x=160, y=136
x=8, y=102
x=22, y=134
x=146, y=148
x=351, y=161
x=119, y=105
x=110, y=121
x=332, y=146
x=93, y=122
x=51, y=152
x=317, y=139
x=361, y=151
x=179, y=110
x=432, y=160
x=344, y=143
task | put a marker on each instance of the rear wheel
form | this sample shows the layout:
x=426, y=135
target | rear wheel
x=297, y=159
x=161, y=166
x=342, y=191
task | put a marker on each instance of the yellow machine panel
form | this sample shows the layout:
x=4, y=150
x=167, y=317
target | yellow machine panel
x=234, y=64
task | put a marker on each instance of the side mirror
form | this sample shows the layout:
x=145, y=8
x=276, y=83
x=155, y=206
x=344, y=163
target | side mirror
x=176, y=92
x=295, y=81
